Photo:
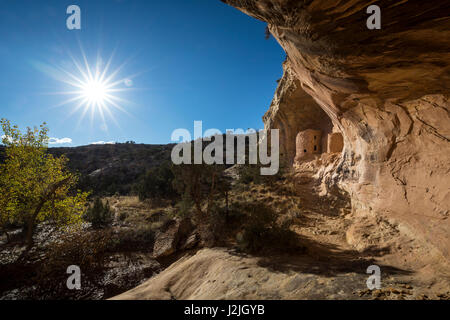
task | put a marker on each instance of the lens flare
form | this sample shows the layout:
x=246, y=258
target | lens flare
x=95, y=89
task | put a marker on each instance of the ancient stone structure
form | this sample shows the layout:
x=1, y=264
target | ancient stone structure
x=293, y=110
x=308, y=142
x=386, y=91
x=335, y=142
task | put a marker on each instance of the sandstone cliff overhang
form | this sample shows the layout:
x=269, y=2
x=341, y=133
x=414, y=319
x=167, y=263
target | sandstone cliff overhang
x=387, y=92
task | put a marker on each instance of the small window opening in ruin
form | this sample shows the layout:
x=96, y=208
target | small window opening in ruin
x=315, y=137
x=304, y=150
x=315, y=148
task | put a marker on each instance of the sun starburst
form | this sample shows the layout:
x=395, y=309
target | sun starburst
x=94, y=90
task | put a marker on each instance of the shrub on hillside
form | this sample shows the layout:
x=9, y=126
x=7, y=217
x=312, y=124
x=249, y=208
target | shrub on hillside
x=99, y=214
x=252, y=173
x=201, y=186
x=261, y=230
x=249, y=173
x=157, y=183
x=259, y=222
x=133, y=239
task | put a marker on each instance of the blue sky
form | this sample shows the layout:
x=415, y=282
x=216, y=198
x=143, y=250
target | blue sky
x=195, y=60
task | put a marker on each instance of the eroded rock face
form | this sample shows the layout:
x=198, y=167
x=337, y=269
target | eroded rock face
x=176, y=234
x=386, y=91
x=335, y=143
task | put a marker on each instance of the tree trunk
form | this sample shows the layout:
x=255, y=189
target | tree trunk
x=32, y=220
x=211, y=192
x=226, y=205
x=29, y=234
x=198, y=209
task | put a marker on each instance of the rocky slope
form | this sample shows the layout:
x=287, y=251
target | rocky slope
x=386, y=91
x=111, y=168
x=327, y=262
x=225, y=274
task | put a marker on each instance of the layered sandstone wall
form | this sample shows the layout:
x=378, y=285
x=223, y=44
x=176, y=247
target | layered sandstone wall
x=387, y=91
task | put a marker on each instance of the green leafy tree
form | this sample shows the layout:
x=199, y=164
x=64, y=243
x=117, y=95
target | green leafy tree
x=34, y=185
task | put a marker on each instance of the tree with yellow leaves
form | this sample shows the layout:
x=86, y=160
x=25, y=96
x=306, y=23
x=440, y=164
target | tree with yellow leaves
x=34, y=185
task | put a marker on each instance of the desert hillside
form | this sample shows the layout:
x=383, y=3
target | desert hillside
x=111, y=168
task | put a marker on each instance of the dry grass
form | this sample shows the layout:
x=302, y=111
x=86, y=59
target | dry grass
x=128, y=202
x=288, y=206
x=131, y=210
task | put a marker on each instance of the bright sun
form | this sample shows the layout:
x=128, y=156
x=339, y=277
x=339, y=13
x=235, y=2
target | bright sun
x=95, y=89
x=95, y=92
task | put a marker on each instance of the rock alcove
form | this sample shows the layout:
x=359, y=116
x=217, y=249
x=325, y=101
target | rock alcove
x=386, y=91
